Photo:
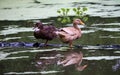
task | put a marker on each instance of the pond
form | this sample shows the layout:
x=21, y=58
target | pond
x=97, y=52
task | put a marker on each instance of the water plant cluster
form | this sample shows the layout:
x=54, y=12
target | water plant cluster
x=64, y=14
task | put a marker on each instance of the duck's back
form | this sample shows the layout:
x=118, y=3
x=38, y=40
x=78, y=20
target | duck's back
x=71, y=30
x=69, y=33
x=47, y=32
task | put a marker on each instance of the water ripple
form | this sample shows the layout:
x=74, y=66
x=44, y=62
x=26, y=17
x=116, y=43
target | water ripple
x=15, y=30
x=23, y=73
x=102, y=57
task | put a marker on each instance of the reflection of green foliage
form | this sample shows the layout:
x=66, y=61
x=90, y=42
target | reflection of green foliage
x=79, y=13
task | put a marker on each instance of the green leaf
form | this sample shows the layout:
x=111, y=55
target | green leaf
x=78, y=12
x=85, y=18
x=79, y=16
x=59, y=19
x=78, y=8
x=68, y=19
x=63, y=20
x=74, y=9
x=68, y=10
x=63, y=9
x=58, y=11
x=84, y=9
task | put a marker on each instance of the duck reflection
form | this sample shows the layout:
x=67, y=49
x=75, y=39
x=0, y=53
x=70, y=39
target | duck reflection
x=60, y=59
x=44, y=60
x=72, y=58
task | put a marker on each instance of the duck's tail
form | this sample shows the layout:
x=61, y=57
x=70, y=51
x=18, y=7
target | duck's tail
x=60, y=34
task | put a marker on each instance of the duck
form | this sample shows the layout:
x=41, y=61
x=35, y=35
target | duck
x=45, y=32
x=68, y=34
x=73, y=58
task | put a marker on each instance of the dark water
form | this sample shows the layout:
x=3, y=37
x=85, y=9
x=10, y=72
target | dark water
x=102, y=28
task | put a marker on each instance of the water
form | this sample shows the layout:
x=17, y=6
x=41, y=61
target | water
x=28, y=9
x=42, y=61
x=99, y=38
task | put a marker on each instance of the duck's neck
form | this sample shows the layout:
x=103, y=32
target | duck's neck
x=76, y=26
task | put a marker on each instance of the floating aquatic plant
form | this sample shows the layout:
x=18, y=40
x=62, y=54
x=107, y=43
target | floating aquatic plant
x=80, y=13
x=63, y=15
x=65, y=18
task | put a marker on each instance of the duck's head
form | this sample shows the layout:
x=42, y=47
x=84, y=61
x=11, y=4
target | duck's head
x=77, y=22
x=37, y=26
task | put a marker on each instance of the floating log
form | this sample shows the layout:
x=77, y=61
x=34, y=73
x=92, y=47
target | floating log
x=29, y=44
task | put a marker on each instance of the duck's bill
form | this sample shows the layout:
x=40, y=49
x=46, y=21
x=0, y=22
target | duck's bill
x=81, y=23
